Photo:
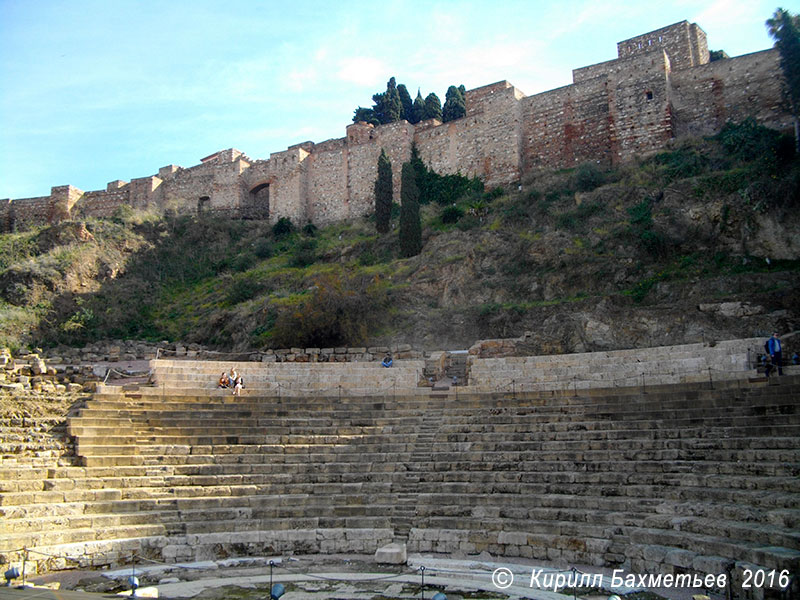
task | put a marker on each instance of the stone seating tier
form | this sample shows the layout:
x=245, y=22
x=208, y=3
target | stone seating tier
x=674, y=478
x=290, y=378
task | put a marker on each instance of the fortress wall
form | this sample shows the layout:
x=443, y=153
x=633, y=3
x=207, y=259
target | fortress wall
x=327, y=182
x=184, y=189
x=288, y=193
x=592, y=71
x=567, y=126
x=101, y=204
x=486, y=143
x=685, y=44
x=362, y=165
x=217, y=179
x=661, y=86
x=147, y=193
x=730, y=89
x=640, y=104
x=24, y=212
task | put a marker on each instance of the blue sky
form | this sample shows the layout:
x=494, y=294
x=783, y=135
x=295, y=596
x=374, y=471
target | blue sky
x=95, y=90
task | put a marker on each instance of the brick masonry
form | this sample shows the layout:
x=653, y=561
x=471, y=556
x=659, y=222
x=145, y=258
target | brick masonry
x=660, y=87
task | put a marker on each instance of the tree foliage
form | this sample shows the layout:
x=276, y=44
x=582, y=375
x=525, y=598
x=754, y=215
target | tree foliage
x=395, y=104
x=418, y=110
x=455, y=106
x=406, y=102
x=383, y=193
x=785, y=29
x=433, y=107
x=341, y=310
x=442, y=189
x=410, y=226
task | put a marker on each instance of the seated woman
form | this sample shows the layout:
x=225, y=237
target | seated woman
x=223, y=381
x=387, y=361
x=232, y=377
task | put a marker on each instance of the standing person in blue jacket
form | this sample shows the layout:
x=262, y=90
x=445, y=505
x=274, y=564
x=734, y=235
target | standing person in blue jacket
x=773, y=347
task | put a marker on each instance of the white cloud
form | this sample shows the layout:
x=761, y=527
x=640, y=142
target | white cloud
x=361, y=70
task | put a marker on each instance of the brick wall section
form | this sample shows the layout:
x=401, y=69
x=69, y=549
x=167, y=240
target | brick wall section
x=661, y=86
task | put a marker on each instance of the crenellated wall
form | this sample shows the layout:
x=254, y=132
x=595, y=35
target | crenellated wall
x=661, y=86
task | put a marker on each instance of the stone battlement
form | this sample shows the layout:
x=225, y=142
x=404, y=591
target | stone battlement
x=660, y=86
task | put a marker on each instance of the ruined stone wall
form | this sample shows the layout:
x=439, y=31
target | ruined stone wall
x=731, y=89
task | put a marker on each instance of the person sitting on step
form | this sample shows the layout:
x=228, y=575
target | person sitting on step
x=223, y=381
x=232, y=377
x=238, y=386
x=387, y=361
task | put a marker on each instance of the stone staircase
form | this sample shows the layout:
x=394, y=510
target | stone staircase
x=682, y=477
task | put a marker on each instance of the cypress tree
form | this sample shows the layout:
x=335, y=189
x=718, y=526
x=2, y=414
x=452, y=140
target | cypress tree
x=383, y=193
x=418, y=110
x=406, y=103
x=388, y=107
x=410, y=226
x=454, y=105
x=433, y=107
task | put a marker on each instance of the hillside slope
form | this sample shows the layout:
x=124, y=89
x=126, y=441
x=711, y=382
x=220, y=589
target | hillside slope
x=701, y=241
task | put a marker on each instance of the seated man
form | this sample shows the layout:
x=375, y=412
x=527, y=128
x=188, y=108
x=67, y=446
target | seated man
x=387, y=361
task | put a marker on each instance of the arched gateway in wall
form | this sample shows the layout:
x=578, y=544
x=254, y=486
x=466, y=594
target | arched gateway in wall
x=256, y=203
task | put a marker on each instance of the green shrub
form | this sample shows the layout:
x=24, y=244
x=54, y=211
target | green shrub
x=263, y=249
x=680, y=164
x=451, y=214
x=242, y=289
x=749, y=141
x=588, y=176
x=304, y=253
x=340, y=311
x=242, y=262
x=283, y=227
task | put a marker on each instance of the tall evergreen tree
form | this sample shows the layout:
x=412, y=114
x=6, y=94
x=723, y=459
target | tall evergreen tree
x=420, y=174
x=383, y=193
x=388, y=107
x=785, y=29
x=454, y=105
x=433, y=107
x=405, y=102
x=410, y=226
x=418, y=110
